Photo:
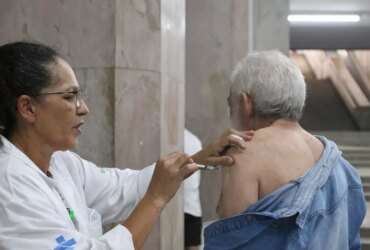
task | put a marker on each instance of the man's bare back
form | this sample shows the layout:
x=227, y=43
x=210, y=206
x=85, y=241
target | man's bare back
x=275, y=156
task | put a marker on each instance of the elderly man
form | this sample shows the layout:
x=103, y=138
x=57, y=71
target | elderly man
x=288, y=189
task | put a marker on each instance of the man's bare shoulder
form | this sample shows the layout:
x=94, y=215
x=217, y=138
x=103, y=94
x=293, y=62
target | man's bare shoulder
x=276, y=156
x=256, y=149
x=272, y=151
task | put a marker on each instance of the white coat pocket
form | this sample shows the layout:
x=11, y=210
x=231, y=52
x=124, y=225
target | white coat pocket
x=95, y=224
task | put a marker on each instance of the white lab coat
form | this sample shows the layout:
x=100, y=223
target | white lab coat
x=33, y=207
x=191, y=185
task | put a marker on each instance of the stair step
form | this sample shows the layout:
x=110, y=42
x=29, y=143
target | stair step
x=364, y=162
x=365, y=244
x=355, y=151
x=365, y=155
x=366, y=187
x=365, y=233
x=367, y=196
x=360, y=161
x=357, y=157
x=354, y=148
x=357, y=163
x=365, y=179
x=361, y=166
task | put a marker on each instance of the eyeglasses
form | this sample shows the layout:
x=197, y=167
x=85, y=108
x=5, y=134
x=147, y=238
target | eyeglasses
x=77, y=96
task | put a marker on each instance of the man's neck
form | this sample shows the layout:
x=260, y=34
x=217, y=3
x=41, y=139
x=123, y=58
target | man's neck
x=260, y=123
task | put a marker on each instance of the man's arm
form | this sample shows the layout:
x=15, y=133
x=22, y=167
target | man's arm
x=239, y=182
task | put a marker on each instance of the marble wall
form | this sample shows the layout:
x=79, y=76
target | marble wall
x=149, y=96
x=138, y=83
x=129, y=55
x=270, y=25
x=97, y=139
x=66, y=26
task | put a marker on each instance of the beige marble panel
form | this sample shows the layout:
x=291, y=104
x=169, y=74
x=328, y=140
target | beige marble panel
x=239, y=22
x=9, y=26
x=271, y=27
x=208, y=65
x=172, y=111
x=83, y=31
x=97, y=142
x=137, y=117
x=173, y=74
x=138, y=34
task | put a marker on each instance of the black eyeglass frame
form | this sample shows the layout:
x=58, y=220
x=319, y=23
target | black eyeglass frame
x=78, y=95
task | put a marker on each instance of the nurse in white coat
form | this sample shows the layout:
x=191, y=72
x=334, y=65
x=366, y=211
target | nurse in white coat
x=50, y=198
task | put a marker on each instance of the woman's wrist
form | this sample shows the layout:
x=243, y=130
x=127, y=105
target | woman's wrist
x=156, y=202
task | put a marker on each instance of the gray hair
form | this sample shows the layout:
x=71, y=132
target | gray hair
x=274, y=82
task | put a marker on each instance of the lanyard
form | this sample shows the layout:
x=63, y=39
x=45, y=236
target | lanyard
x=71, y=212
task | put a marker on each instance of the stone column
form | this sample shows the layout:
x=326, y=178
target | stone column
x=129, y=55
x=269, y=27
x=149, y=107
x=172, y=111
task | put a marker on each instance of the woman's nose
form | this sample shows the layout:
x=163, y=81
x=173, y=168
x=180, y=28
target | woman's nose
x=82, y=109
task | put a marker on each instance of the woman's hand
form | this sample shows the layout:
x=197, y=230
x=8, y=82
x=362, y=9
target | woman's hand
x=214, y=153
x=168, y=175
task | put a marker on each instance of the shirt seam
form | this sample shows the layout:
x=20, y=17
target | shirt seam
x=328, y=211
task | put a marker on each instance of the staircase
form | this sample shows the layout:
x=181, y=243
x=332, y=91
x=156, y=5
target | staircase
x=359, y=156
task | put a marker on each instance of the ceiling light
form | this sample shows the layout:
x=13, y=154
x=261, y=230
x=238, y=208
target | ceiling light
x=312, y=18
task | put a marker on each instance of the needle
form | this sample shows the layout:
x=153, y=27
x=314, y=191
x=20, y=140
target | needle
x=207, y=167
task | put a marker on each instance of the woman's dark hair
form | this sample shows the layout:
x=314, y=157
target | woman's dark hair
x=23, y=71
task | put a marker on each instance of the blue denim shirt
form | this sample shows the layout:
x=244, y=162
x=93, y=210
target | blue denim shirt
x=321, y=210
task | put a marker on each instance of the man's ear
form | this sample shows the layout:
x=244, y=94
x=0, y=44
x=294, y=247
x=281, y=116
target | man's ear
x=26, y=108
x=246, y=104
